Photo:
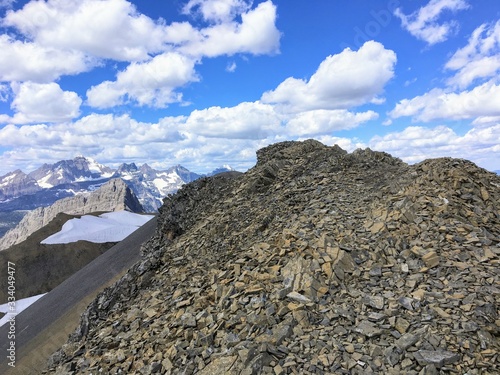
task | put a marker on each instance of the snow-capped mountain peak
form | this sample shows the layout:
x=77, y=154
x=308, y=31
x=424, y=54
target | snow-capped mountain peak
x=66, y=178
x=17, y=182
x=151, y=185
x=95, y=167
x=68, y=171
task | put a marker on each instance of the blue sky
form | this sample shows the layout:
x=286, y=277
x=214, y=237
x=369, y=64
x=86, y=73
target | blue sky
x=204, y=83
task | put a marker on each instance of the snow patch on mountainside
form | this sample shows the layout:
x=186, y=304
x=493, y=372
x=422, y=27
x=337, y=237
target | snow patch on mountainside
x=109, y=227
x=160, y=184
x=43, y=182
x=100, y=169
x=19, y=306
x=7, y=179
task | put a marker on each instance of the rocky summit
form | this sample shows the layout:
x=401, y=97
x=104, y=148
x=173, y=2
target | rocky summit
x=315, y=261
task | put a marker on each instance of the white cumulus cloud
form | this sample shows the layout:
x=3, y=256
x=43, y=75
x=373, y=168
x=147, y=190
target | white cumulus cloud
x=348, y=144
x=217, y=10
x=151, y=83
x=256, y=34
x=257, y=120
x=79, y=137
x=345, y=80
x=478, y=102
x=424, y=23
x=26, y=61
x=57, y=38
x=417, y=143
x=42, y=102
x=479, y=59
x=110, y=29
x=244, y=121
x=322, y=121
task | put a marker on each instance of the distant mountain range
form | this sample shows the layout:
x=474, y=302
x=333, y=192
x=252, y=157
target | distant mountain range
x=67, y=178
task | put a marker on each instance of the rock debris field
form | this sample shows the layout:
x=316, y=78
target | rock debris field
x=315, y=261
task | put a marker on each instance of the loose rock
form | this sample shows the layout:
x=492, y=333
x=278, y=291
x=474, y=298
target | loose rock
x=314, y=261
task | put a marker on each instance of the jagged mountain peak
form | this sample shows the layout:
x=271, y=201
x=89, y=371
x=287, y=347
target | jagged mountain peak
x=17, y=182
x=127, y=167
x=183, y=173
x=146, y=167
x=68, y=171
x=67, y=178
x=11, y=176
x=15, y=172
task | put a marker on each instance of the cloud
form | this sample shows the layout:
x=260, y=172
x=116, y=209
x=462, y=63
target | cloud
x=25, y=61
x=417, y=143
x=6, y=3
x=115, y=30
x=4, y=92
x=18, y=137
x=47, y=102
x=215, y=135
x=184, y=140
x=414, y=138
x=217, y=11
x=111, y=131
x=231, y=67
x=257, y=120
x=348, y=79
x=122, y=138
x=166, y=146
x=348, y=144
x=58, y=38
x=481, y=101
x=244, y=121
x=479, y=59
x=423, y=23
x=152, y=83
x=256, y=34
x=321, y=121
x=486, y=120
x=103, y=29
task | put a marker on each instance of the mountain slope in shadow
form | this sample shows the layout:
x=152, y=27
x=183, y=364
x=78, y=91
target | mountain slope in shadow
x=40, y=267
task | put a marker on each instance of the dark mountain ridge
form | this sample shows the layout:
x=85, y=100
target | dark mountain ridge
x=46, y=266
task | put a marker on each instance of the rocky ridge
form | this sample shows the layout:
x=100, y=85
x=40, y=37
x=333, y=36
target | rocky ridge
x=315, y=261
x=114, y=195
